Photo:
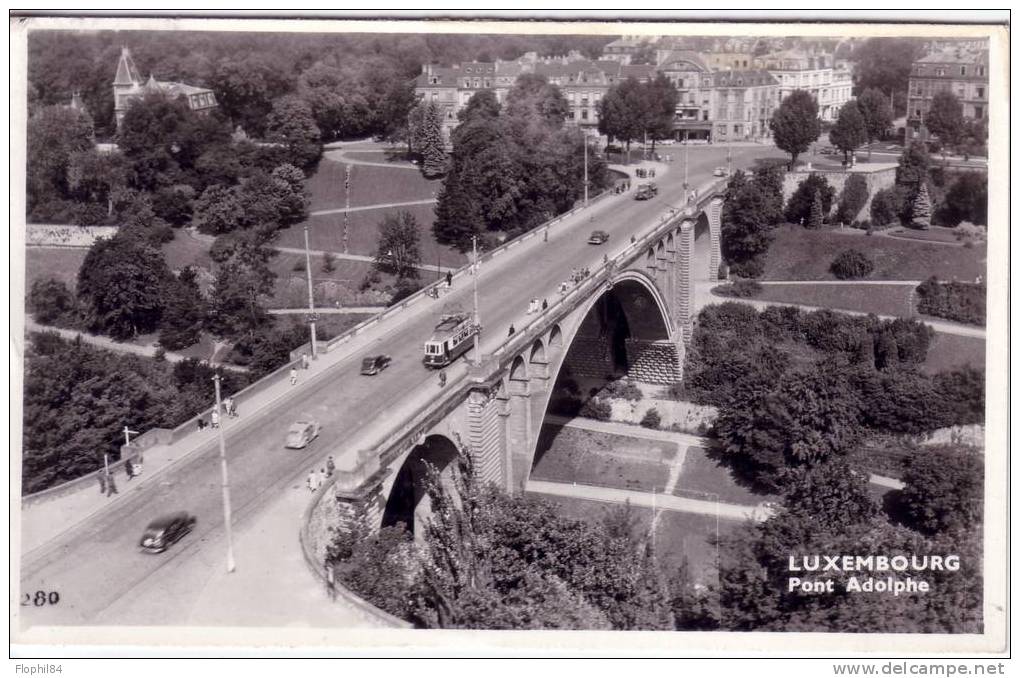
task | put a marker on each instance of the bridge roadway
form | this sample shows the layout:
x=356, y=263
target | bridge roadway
x=101, y=575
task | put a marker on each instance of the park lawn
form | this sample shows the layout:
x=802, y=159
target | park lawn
x=291, y=290
x=950, y=351
x=934, y=234
x=801, y=254
x=701, y=477
x=326, y=232
x=60, y=263
x=677, y=535
x=878, y=299
x=184, y=250
x=568, y=455
x=369, y=186
x=393, y=157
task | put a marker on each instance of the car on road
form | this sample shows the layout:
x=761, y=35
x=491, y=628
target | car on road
x=827, y=150
x=165, y=530
x=301, y=433
x=598, y=237
x=646, y=191
x=719, y=172
x=374, y=364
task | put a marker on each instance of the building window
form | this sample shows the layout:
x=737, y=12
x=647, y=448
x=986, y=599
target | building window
x=980, y=92
x=979, y=112
x=435, y=81
x=963, y=70
x=981, y=70
x=584, y=114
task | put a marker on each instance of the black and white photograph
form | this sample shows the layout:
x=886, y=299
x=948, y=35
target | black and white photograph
x=343, y=332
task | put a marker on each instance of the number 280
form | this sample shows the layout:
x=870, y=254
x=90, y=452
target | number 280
x=40, y=598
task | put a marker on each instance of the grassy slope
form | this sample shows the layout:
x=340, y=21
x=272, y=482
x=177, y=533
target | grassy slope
x=880, y=299
x=701, y=476
x=800, y=254
x=49, y=262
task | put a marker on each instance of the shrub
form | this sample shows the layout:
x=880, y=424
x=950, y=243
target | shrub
x=652, y=419
x=851, y=265
x=597, y=408
x=752, y=268
x=741, y=289
x=299, y=265
x=405, y=288
x=889, y=205
x=798, y=207
x=328, y=262
x=962, y=302
x=944, y=490
x=852, y=199
x=623, y=389
x=50, y=301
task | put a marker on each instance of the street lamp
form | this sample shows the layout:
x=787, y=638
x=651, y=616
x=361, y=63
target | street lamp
x=225, y=482
x=474, y=282
x=585, y=168
x=311, y=296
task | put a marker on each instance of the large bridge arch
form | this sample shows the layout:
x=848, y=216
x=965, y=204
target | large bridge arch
x=406, y=500
x=646, y=318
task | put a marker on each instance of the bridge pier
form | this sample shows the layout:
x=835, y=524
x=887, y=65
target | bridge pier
x=685, y=280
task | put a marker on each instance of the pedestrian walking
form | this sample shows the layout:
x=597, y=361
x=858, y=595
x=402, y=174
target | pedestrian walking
x=304, y=361
x=102, y=483
x=545, y=235
x=293, y=376
x=215, y=418
x=201, y=424
x=330, y=467
x=129, y=469
x=311, y=481
x=111, y=486
x=442, y=378
x=545, y=304
x=322, y=478
x=231, y=407
x=449, y=279
x=512, y=330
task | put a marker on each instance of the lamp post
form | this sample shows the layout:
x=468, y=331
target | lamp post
x=474, y=282
x=311, y=296
x=225, y=483
x=729, y=161
x=686, y=157
x=585, y=169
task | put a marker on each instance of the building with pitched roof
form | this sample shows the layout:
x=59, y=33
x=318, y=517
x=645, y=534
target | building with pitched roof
x=742, y=104
x=959, y=70
x=814, y=72
x=128, y=87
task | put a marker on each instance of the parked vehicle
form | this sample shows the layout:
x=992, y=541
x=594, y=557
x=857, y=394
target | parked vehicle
x=451, y=339
x=646, y=191
x=301, y=433
x=719, y=172
x=827, y=150
x=165, y=530
x=598, y=237
x=374, y=364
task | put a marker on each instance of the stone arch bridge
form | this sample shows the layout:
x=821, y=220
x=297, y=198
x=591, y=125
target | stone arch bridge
x=633, y=314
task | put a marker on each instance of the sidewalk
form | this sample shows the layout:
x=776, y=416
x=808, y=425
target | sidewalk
x=376, y=206
x=270, y=561
x=630, y=430
x=661, y=501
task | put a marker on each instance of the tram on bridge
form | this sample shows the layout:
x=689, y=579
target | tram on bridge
x=451, y=338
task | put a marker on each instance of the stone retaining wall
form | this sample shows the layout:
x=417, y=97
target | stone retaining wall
x=878, y=178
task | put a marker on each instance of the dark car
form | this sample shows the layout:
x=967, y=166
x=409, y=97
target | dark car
x=166, y=530
x=598, y=237
x=374, y=364
x=646, y=191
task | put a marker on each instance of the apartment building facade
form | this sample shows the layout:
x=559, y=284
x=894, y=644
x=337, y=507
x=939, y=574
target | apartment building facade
x=959, y=70
x=816, y=73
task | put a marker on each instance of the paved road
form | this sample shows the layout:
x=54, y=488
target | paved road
x=103, y=578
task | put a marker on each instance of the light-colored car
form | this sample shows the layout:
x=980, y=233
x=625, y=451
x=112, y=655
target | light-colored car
x=719, y=172
x=301, y=433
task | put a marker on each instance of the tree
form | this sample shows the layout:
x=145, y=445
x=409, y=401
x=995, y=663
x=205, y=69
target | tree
x=94, y=177
x=795, y=125
x=852, y=199
x=914, y=166
x=850, y=131
x=887, y=204
x=816, y=216
x=851, y=264
x=945, y=119
x=55, y=135
x=533, y=98
x=432, y=148
x=622, y=112
x=944, y=490
x=769, y=181
x=184, y=315
x=662, y=97
x=885, y=64
x=292, y=123
x=120, y=287
x=921, y=212
x=482, y=104
x=966, y=200
x=50, y=301
x=398, y=251
x=241, y=284
x=798, y=207
x=218, y=210
x=246, y=86
x=877, y=113
x=745, y=231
